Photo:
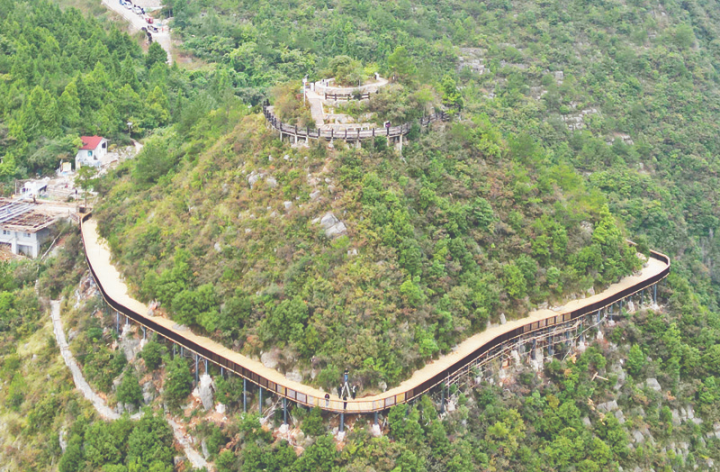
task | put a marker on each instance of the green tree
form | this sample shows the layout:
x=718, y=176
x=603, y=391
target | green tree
x=178, y=383
x=636, y=360
x=514, y=281
x=320, y=457
x=312, y=425
x=155, y=55
x=129, y=390
x=401, y=64
x=152, y=355
x=684, y=36
x=286, y=321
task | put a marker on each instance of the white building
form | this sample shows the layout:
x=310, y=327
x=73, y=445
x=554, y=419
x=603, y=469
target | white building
x=91, y=153
x=23, y=228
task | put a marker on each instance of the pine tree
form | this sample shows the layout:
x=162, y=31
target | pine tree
x=156, y=54
x=69, y=106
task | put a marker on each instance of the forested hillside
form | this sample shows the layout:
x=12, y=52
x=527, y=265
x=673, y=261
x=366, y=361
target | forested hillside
x=562, y=111
x=63, y=75
x=575, y=125
x=641, y=76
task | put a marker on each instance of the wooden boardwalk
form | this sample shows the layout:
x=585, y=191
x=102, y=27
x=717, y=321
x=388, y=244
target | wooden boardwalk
x=433, y=374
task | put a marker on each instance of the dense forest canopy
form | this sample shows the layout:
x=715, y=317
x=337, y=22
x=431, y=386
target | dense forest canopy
x=63, y=75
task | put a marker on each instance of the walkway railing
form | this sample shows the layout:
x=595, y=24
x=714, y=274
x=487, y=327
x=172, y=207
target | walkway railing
x=347, y=135
x=233, y=361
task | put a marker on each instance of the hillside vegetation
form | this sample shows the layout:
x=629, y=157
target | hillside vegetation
x=437, y=243
x=560, y=109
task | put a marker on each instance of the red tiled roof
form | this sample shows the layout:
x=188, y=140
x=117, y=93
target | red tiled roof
x=90, y=143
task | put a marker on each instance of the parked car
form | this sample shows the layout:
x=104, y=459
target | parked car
x=129, y=5
x=138, y=10
x=149, y=20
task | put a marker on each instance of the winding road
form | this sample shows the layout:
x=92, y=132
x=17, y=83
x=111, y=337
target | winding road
x=433, y=374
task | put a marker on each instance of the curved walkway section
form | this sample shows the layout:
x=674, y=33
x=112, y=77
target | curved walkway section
x=433, y=374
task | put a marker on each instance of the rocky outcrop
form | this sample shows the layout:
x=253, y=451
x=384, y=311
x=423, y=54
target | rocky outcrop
x=333, y=226
x=653, y=384
x=269, y=359
x=205, y=391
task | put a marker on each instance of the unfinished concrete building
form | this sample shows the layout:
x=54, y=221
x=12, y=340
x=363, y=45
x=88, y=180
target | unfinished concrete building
x=24, y=227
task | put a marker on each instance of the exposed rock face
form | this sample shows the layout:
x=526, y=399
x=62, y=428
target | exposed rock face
x=333, y=227
x=253, y=178
x=61, y=439
x=204, y=448
x=607, y=406
x=272, y=183
x=502, y=319
x=269, y=359
x=653, y=384
x=148, y=392
x=295, y=376
x=676, y=421
x=205, y=391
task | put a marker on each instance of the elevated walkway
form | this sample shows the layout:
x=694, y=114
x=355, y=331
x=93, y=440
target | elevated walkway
x=446, y=369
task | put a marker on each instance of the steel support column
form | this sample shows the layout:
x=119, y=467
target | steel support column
x=244, y=395
x=551, y=351
x=260, y=402
x=376, y=417
x=117, y=322
x=285, y=411
x=655, y=294
x=196, y=369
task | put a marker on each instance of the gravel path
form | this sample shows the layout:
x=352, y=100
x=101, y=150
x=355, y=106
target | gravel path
x=101, y=407
x=103, y=410
x=197, y=460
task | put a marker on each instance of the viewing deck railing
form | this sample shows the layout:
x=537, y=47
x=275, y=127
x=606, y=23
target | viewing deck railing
x=348, y=135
